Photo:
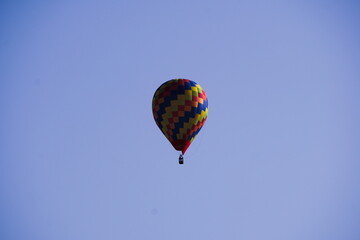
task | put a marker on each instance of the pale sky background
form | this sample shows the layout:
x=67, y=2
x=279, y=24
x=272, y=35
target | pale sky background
x=82, y=158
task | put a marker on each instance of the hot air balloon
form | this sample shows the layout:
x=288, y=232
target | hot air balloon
x=180, y=109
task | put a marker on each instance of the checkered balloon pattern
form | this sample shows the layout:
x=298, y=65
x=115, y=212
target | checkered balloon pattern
x=180, y=109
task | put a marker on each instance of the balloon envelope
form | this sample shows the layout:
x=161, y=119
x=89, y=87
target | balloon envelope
x=180, y=109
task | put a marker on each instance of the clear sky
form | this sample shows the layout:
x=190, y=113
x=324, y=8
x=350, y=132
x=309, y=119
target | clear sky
x=82, y=158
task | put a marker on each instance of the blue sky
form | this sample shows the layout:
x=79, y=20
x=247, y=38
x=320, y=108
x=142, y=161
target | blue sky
x=82, y=158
